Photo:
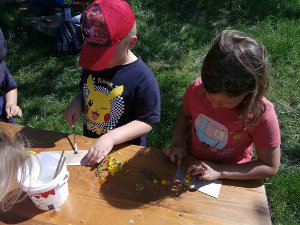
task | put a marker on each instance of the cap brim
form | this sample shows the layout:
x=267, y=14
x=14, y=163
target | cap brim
x=96, y=58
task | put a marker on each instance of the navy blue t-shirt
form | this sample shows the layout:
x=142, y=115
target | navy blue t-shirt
x=6, y=84
x=116, y=96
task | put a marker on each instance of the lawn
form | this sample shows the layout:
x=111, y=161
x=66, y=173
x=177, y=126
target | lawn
x=173, y=39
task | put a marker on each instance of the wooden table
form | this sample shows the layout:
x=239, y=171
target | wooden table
x=119, y=202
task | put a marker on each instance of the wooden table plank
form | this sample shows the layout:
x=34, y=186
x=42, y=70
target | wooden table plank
x=118, y=202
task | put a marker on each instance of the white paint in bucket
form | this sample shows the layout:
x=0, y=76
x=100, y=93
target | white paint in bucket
x=46, y=193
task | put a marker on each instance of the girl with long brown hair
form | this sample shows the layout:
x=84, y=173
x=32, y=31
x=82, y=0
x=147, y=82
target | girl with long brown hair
x=225, y=114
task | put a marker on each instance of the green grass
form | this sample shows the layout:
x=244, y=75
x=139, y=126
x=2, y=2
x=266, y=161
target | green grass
x=173, y=39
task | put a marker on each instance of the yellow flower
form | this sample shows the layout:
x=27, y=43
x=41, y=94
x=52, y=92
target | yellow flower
x=163, y=182
x=155, y=181
x=112, y=170
x=187, y=178
x=114, y=166
x=103, y=180
x=32, y=152
x=139, y=187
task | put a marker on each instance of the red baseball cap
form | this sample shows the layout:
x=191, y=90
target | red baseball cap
x=104, y=24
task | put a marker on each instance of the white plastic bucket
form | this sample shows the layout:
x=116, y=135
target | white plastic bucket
x=46, y=193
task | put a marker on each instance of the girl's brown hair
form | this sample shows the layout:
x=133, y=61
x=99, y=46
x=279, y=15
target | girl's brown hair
x=237, y=64
x=13, y=157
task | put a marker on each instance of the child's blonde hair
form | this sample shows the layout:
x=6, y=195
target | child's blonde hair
x=132, y=32
x=13, y=156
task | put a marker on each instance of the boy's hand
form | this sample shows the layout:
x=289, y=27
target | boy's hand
x=13, y=110
x=205, y=170
x=176, y=154
x=74, y=109
x=99, y=150
x=71, y=115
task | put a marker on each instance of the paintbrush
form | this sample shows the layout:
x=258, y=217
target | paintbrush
x=59, y=164
x=75, y=145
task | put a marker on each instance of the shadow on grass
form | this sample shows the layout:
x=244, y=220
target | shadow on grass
x=167, y=31
x=234, y=11
x=185, y=24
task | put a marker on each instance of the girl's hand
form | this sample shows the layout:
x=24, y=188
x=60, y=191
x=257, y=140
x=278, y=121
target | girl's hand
x=13, y=110
x=176, y=154
x=205, y=170
x=99, y=150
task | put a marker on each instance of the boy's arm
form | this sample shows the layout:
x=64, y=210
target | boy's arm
x=77, y=101
x=11, y=106
x=72, y=112
x=128, y=132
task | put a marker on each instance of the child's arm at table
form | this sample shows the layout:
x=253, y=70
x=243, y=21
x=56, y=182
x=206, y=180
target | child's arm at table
x=11, y=107
x=177, y=151
x=266, y=165
x=104, y=144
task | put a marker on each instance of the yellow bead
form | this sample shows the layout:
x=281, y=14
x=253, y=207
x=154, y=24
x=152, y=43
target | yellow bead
x=163, y=182
x=31, y=152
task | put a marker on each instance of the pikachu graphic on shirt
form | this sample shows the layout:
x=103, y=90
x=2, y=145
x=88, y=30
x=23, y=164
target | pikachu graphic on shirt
x=98, y=106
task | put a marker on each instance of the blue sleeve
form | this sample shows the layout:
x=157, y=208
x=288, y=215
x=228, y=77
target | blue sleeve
x=147, y=101
x=8, y=83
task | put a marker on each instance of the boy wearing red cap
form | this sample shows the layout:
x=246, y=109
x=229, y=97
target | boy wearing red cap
x=8, y=87
x=119, y=93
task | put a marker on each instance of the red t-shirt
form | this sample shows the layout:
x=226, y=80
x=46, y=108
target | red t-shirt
x=217, y=134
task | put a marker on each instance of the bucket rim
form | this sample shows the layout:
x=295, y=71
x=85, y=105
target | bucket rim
x=51, y=184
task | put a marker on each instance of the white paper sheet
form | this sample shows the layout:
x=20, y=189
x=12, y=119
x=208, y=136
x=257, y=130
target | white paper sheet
x=211, y=188
x=73, y=159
